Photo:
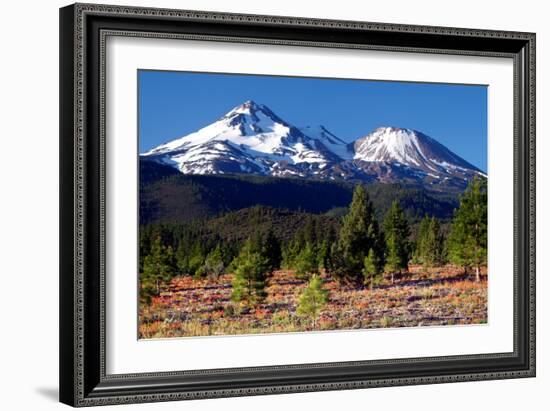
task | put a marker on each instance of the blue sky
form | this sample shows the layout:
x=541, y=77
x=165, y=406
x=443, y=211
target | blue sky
x=172, y=104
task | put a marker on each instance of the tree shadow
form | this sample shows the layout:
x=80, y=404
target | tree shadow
x=402, y=280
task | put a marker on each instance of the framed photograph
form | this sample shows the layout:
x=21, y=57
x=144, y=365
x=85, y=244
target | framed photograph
x=261, y=204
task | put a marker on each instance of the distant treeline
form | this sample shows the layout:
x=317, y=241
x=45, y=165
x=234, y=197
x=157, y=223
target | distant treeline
x=358, y=247
x=167, y=195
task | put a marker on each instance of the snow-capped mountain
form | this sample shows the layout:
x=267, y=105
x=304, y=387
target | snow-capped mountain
x=392, y=153
x=408, y=147
x=252, y=139
x=248, y=139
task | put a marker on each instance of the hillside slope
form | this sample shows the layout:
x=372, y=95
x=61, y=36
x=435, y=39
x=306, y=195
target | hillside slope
x=181, y=198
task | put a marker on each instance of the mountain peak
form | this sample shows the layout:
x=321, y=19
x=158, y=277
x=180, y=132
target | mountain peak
x=408, y=147
x=249, y=107
x=396, y=133
x=392, y=129
x=389, y=144
x=252, y=139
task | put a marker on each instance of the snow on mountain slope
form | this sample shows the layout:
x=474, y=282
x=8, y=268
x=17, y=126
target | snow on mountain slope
x=410, y=148
x=249, y=125
x=329, y=140
x=252, y=139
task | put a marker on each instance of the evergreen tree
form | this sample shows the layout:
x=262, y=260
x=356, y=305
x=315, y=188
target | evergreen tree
x=379, y=246
x=358, y=235
x=433, y=245
x=290, y=253
x=323, y=254
x=430, y=242
x=182, y=258
x=196, y=260
x=423, y=228
x=310, y=230
x=144, y=244
x=256, y=242
x=312, y=300
x=300, y=239
x=306, y=262
x=272, y=250
x=157, y=268
x=213, y=264
x=229, y=251
x=467, y=242
x=373, y=268
x=396, y=231
x=250, y=268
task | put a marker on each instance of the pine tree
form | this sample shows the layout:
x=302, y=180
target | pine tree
x=196, y=260
x=379, y=245
x=323, y=254
x=423, y=228
x=182, y=258
x=213, y=264
x=256, y=242
x=144, y=244
x=291, y=251
x=373, y=268
x=310, y=230
x=358, y=235
x=229, y=251
x=250, y=268
x=306, y=262
x=433, y=245
x=430, y=243
x=272, y=250
x=396, y=231
x=157, y=268
x=467, y=242
x=312, y=300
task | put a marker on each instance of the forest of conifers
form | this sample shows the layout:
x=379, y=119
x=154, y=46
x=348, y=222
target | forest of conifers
x=353, y=245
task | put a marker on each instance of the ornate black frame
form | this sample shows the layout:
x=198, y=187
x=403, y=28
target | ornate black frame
x=83, y=30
